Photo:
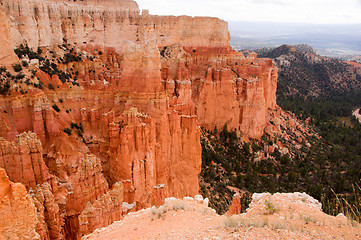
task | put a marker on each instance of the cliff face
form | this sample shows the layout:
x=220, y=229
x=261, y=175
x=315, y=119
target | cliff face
x=225, y=87
x=105, y=23
x=114, y=103
x=18, y=213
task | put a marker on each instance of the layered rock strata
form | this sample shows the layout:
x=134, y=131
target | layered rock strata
x=124, y=129
x=17, y=211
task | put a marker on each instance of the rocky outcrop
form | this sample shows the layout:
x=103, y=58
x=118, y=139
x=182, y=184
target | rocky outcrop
x=50, y=225
x=102, y=212
x=23, y=160
x=18, y=213
x=236, y=206
x=226, y=87
x=47, y=23
x=7, y=55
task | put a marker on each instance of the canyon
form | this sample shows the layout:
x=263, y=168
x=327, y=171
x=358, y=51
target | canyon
x=105, y=116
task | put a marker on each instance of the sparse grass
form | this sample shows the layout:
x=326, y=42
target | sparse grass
x=158, y=213
x=278, y=224
x=308, y=219
x=178, y=206
x=241, y=221
x=351, y=210
x=232, y=222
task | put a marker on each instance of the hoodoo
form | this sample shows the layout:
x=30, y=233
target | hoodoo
x=104, y=115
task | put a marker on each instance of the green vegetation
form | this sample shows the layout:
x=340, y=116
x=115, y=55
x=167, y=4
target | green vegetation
x=342, y=135
x=270, y=208
x=325, y=91
x=50, y=86
x=67, y=131
x=52, y=69
x=4, y=87
x=24, y=63
x=17, y=67
x=50, y=66
x=326, y=172
x=56, y=108
x=78, y=128
x=23, y=51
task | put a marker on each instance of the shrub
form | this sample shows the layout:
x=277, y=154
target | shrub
x=56, y=108
x=25, y=50
x=68, y=58
x=5, y=88
x=79, y=133
x=24, y=63
x=158, y=213
x=77, y=126
x=17, y=67
x=20, y=76
x=67, y=131
x=50, y=86
x=2, y=69
x=270, y=208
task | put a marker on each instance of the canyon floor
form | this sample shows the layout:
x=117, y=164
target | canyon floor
x=278, y=216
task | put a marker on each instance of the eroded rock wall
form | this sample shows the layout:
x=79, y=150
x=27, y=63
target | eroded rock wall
x=141, y=88
x=105, y=23
x=17, y=211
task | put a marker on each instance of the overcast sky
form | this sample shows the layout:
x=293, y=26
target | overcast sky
x=302, y=11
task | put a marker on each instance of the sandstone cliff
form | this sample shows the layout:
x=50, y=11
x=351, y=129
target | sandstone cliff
x=17, y=211
x=105, y=23
x=115, y=98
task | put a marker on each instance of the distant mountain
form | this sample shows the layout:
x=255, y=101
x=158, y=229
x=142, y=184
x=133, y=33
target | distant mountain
x=338, y=40
x=304, y=73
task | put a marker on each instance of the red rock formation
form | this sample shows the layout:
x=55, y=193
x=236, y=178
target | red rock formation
x=102, y=212
x=7, y=54
x=23, y=160
x=236, y=207
x=108, y=26
x=50, y=224
x=18, y=213
x=158, y=195
x=226, y=87
x=144, y=86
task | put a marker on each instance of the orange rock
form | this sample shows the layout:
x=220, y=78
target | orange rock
x=50, y=224
x=23, y=160
x=17, y=211
x=102, y=212
x=7, y=55
x=235, y=207
x=158, y=195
